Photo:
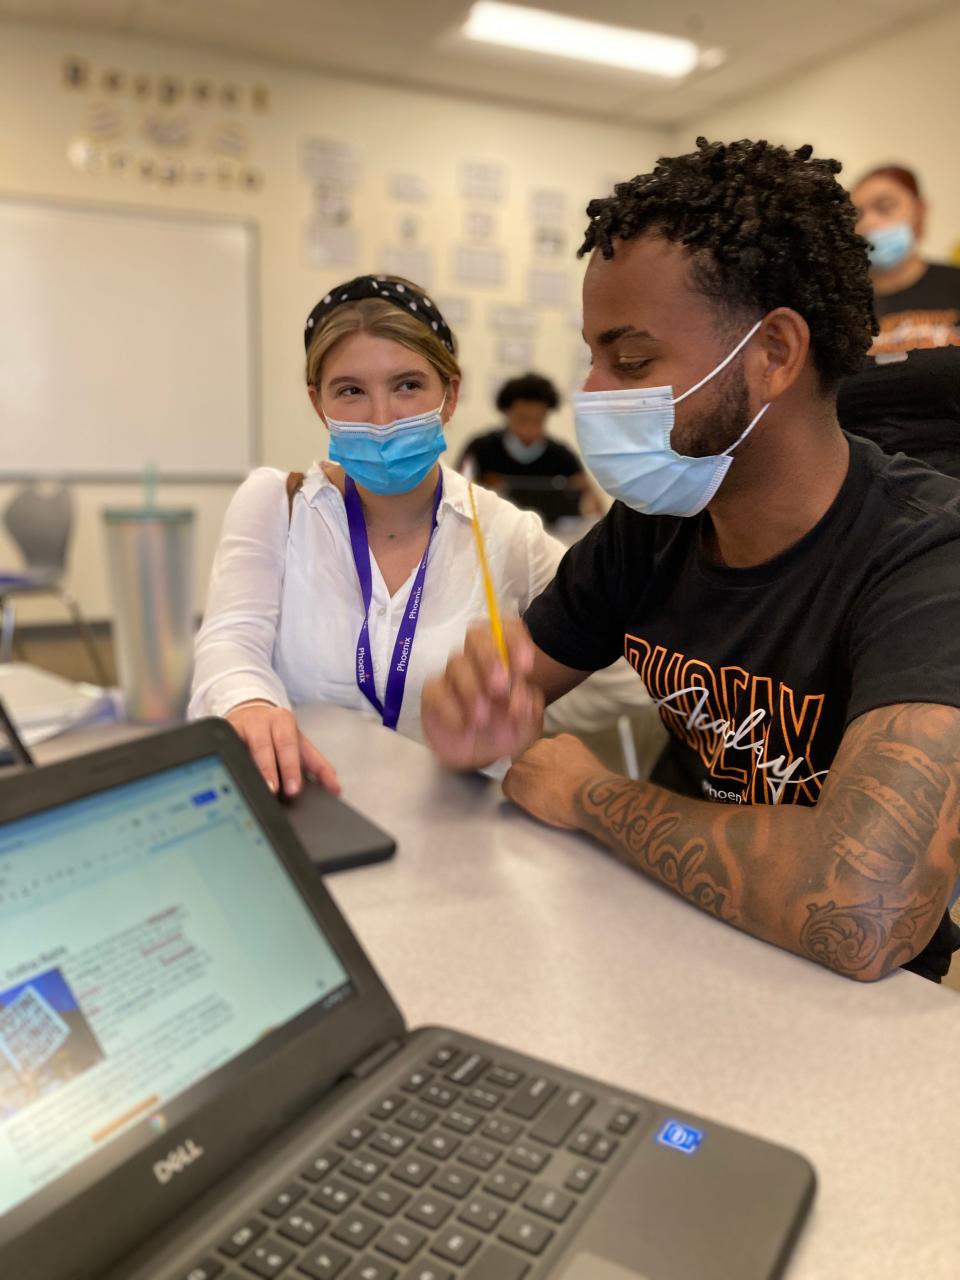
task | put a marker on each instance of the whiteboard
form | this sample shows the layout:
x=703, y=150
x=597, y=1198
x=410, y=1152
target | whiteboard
x=126, y=338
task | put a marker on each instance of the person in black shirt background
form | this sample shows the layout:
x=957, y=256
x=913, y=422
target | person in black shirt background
x=521, y=458
x=788, y=594
x=891, y=213
x=906, y=397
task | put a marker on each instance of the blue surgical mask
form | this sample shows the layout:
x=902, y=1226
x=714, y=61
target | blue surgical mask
x=392, y=459
x=523, y=453
x=889, y=246
x=624, y=437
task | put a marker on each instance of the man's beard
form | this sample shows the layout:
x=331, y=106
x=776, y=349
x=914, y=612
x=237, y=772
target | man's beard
x=712, y=429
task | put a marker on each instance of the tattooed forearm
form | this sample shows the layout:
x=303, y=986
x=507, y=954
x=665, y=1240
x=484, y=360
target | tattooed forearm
x=886, y=806
x=851, y=938
x=644, y=828
x=857, y=883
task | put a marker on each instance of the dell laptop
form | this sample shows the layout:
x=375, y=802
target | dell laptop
x=202, y=1077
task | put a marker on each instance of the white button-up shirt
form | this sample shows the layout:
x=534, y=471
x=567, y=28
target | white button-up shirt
x=284, y=609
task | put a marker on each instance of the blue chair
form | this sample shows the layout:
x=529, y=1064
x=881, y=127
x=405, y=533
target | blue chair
x=40, y=521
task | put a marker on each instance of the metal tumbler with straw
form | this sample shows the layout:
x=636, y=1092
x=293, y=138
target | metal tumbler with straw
x=150, y=558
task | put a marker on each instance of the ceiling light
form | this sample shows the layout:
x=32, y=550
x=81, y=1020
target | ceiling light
x=551, y=33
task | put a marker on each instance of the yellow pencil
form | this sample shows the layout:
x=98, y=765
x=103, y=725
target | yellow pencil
x=496, y=626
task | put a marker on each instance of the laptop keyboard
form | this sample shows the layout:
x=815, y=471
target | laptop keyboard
x=470, y=1170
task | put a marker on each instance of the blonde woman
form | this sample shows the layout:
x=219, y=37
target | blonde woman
x=354, y=583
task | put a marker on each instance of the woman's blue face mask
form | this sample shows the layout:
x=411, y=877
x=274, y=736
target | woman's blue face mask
x=888, y=246
x=388, y=459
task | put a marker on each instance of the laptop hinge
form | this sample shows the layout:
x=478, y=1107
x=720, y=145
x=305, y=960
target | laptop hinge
x=375, y=1059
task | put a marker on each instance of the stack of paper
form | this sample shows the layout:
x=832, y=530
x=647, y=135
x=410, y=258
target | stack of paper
x=42, y=705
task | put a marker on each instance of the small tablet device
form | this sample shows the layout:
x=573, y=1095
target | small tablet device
x=334, y=835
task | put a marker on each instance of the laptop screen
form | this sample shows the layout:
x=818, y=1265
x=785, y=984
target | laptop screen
x=553, y=497
x=148, y=936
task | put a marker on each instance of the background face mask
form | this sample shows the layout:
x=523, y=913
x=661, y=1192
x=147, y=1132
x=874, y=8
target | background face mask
x=889, y=246
x=624, y=437
x=523, y=453
x=391, y=459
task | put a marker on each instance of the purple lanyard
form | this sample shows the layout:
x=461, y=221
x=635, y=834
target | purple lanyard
x=389, y=709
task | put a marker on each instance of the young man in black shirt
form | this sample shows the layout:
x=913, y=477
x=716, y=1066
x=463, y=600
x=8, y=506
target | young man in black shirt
x=521, y=462
x=789, y=595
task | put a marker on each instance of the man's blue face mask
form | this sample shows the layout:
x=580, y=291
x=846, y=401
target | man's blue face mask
x=624, y=437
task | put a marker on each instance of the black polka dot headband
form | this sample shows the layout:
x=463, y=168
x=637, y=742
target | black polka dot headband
x=403, y=296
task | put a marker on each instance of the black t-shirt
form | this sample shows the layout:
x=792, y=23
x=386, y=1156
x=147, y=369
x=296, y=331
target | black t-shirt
x=492, y=459
x=910, y=405
x=907, y=396
x=933, y=299
x=757, y=672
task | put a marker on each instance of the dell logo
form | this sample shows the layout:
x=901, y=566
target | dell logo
x=177, y=1161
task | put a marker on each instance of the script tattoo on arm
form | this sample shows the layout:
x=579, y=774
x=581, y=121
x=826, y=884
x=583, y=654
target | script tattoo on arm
x=856, y=883
x=647, y=827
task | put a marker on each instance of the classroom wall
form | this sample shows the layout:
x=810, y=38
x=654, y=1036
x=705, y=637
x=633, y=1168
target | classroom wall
x=391, y=131
x=894, y=100
x=890, y=100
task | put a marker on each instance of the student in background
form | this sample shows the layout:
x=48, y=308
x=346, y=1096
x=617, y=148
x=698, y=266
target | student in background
x=891, y=213
x=354, y=583
x=906, y=397
x=520, y=458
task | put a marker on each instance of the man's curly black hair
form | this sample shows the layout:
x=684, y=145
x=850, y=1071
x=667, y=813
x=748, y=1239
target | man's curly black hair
x=529, y=386
x=767, y=228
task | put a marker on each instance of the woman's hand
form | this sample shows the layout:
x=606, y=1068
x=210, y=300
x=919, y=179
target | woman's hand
x=279, y=749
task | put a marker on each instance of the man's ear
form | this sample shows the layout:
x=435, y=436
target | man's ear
x=780, y=353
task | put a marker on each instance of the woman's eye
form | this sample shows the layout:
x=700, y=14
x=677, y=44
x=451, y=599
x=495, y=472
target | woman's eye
x=632, y=366
x=411, y=385
x=350, y=392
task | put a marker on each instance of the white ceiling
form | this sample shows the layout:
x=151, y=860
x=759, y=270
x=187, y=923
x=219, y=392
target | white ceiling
x=417, y=42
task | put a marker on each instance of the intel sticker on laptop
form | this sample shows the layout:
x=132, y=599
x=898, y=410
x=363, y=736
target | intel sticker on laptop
x=681, y=1137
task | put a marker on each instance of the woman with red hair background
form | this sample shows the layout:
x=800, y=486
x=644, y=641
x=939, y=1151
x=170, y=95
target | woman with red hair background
x=907, y=398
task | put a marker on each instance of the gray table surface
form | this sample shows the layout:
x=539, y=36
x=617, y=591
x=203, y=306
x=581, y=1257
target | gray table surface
x=534, y=938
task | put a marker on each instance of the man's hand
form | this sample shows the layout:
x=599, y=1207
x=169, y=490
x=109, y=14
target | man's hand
x=478, y=710
x=547, y=779
x=279, y=749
